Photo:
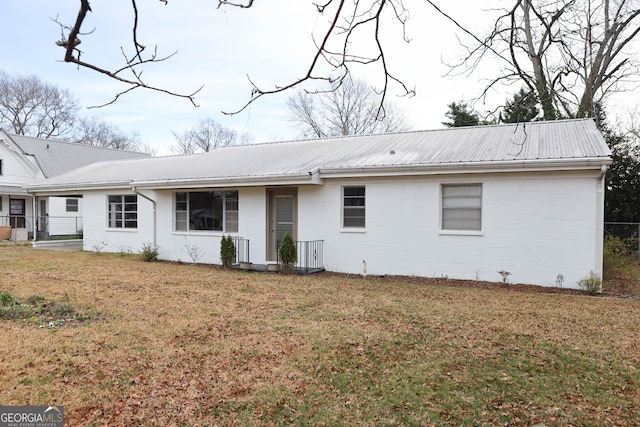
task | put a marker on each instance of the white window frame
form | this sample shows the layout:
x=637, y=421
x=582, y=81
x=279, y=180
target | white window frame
x=344, y=207
x=230, y=212
x=118, y=211
x=457, y=202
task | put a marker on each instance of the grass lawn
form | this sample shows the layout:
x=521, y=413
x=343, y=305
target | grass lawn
x=177, y=344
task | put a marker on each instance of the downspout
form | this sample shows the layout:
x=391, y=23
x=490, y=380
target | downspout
x=34, y=218
x=600, y=221
x=153, y=202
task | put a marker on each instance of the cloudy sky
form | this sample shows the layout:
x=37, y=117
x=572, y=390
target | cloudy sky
x=218, y=48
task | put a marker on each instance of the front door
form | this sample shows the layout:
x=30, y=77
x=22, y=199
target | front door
x=282, y=218
x=17, y=213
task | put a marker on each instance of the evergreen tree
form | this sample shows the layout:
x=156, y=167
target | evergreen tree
x=461, y=115
x=522, y=108
x=287, y=251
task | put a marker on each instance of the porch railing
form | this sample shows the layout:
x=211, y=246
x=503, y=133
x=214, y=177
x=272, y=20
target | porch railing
x=242, y=249
x=20, y=225
x=52, y=227
x=16, y=221
x=310, y=255
x=47, y=227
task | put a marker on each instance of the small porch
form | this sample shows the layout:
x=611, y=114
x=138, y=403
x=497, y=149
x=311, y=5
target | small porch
x=309, y=257
x=15, y=228
x=20, y=228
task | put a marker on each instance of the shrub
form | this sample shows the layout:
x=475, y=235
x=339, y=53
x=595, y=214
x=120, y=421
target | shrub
x=592, y=283
x=227, y=251
x=6, y=299
x=149, y=252
x=616, y=253
x=287, y=251
x=194, y=251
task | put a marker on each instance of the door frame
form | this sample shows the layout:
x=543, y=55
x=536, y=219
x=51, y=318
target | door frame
x=272, y=194
x=18, y=220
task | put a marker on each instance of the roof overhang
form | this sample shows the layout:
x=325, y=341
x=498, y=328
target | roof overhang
x=169, y=184
x=231, y=181
x=13, y=190
x=317, y=176
x=507, y=166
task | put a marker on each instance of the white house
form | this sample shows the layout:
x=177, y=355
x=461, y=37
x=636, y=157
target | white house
x=26, y=161
x=463, y=203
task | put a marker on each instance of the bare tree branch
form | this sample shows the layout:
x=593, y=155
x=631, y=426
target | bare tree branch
x=73, y=55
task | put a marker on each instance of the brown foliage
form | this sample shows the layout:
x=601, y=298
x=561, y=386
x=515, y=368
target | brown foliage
x=178, y=344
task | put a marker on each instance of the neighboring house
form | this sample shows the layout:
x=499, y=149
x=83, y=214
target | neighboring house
x=26, y=161
x=461, y=203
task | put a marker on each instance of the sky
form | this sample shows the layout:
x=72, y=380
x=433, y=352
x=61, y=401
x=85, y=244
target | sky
x=220, y=48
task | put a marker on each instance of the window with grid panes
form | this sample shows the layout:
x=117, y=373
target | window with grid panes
x=123, y=211
x=353, y=207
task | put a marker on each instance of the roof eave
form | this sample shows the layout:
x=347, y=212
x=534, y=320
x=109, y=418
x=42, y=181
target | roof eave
x=168, y=184
x=593, y=163
x=240, y=181
x=66, y=188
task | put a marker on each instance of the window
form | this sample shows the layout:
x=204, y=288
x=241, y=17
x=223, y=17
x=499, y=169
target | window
x=123, y=211
x=207, y=210
x=461, y=207
x=0, y=166
x=72, y=205
x=353, y=207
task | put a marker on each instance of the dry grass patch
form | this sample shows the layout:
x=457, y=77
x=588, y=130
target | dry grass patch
x=173, y=344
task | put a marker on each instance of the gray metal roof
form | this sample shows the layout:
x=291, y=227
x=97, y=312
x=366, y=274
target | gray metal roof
x=531, y=143
x=58, y=157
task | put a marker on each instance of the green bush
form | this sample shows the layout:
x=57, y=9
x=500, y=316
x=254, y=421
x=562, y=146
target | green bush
x=6, y=299
x=592, y=283
x=227, y=251
x=287, y=252
x=617, y=253
x=149, y=252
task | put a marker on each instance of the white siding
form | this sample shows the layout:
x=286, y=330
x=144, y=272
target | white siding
x=173, y=244
x=14, y=170
x=534, y=225
x=60, y=221
x=97, y=235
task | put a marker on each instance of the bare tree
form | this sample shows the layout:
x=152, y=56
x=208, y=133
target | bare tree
x=95, y=131
x=205, y=136
x=29, y=106
x=353, y=108
x=570, y=53
x=335, y=47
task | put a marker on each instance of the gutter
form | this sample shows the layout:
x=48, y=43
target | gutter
x=468, y=167
x=153, y=202
x=63, y=189
x=243, y=181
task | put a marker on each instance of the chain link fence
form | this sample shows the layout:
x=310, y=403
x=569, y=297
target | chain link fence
x=628, y=233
